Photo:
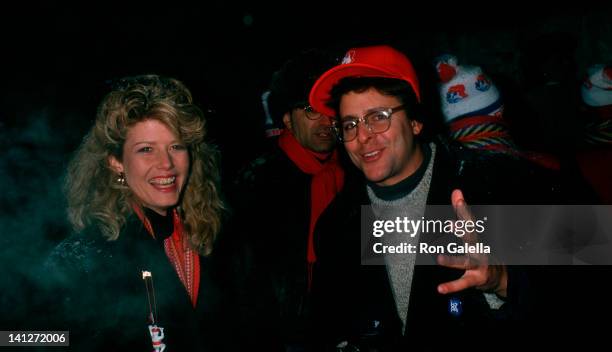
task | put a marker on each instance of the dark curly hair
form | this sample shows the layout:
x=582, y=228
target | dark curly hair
x=291, y=84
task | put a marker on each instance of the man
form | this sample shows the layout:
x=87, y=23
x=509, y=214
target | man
x=374, y=95
x=281, y=195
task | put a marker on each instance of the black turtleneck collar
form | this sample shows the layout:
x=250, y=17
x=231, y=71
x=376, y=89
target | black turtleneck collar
x=407, y=185
x=163, y=226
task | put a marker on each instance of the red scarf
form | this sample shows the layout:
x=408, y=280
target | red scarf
x=489, y=132
x=184, y=259
x=327, y=180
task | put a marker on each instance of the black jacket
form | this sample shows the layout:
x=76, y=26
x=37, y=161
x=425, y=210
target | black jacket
x=356, y=301
x=96, y=291
x=271, y=212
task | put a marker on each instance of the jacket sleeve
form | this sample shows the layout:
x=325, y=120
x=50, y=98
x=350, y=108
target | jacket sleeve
x=74, y=294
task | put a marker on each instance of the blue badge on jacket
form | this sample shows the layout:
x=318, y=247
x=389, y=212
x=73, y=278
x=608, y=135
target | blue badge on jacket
x=455, y=306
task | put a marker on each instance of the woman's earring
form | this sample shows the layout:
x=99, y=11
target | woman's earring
x=121, y=179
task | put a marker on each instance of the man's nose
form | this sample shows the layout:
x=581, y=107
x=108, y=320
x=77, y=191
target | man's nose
x=363, y=132
x=326, y=121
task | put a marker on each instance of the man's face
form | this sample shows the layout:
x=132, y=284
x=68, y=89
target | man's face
x=385, y=158
x=314, y=135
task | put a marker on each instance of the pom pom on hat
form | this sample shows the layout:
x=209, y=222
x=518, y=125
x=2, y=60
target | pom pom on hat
x=597, y=87
x=465, y=90
x=446, y=66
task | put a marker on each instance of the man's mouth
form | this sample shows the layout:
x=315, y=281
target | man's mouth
x=371, y=155
x=325, y=133
x=163, y=181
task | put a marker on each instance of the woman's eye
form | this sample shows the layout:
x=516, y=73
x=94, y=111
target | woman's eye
x=178, y=147
x=145, y=150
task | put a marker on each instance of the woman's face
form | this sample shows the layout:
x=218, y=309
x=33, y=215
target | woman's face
x=155, y=163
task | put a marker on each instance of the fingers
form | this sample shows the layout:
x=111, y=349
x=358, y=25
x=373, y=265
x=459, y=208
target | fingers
x=464, y=282
x=476, y=267
x=497, y=280
x=490, y=278
x=460, y=206
x=464, y=262
x=456, y=197
x=463, y=213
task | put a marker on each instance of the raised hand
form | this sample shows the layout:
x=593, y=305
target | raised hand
x=479, y=270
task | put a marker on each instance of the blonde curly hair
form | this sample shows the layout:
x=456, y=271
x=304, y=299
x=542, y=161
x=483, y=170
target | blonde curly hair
x=94, y=196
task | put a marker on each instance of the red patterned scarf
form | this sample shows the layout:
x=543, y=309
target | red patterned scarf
x=184, y=259
x=327, y=180
x=598, y=130
x=489, y=132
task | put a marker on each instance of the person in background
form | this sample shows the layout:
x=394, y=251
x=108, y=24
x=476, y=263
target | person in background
x=473, y=110
x=594, y=153
x=279, y=197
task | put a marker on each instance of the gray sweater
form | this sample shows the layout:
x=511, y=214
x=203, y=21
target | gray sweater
x=400, y=267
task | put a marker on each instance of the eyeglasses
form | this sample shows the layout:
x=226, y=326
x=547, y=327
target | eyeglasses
x=311, y=113
x=377, y=121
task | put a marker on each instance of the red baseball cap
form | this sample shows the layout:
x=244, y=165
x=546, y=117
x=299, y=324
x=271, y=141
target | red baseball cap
x=372, y=61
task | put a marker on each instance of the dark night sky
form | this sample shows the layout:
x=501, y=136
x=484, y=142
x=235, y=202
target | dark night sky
x=58, y=58
x=56, y=61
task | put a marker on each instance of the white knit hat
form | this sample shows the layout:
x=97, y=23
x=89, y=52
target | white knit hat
x=465, y=90
x=597, y=87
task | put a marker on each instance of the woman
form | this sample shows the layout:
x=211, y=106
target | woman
x=143, y=197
